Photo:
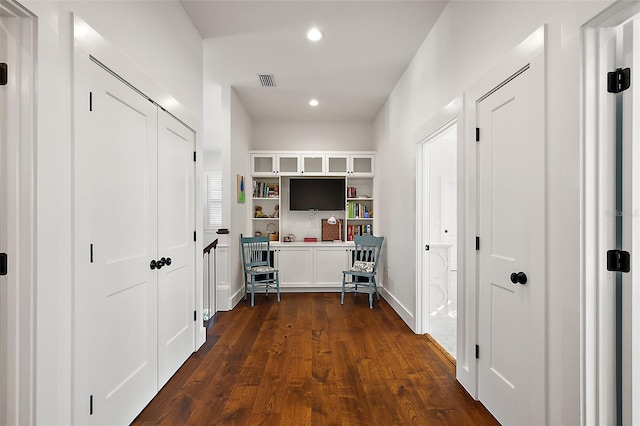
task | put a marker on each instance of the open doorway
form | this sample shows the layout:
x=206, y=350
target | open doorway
x=439, y=233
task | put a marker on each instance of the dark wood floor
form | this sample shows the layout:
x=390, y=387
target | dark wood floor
x=311, y=361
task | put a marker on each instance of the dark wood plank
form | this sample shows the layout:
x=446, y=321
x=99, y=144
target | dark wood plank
x=311, y=361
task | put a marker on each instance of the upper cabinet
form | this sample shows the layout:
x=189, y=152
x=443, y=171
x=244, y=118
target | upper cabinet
x=274, y=164
x=312, y=164
x=350, y=164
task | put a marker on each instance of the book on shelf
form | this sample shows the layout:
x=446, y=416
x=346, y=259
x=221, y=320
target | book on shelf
x=357, y=210
x=356, y=230
x=265, y=190
x=351, y=192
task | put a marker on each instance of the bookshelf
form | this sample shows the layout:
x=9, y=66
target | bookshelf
x=266, y=206
x=359, y=208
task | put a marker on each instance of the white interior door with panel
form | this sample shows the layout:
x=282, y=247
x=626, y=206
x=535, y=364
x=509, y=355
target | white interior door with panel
x=511, y=273
x=176, y=245
x=116, y=236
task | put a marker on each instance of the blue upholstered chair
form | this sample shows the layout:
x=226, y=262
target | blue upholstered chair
x=257, y=268
x=363, y=269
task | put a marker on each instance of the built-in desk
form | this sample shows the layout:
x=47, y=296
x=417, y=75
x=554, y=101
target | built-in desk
x=315, y=266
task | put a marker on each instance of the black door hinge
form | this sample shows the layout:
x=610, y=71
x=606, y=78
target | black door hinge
x=4, y=74
x=477, y=134
x=477, y=243
x=194, y=236
x=194, y=156
x=91, y=405
x=618, y=260
x=477, y=351
x=195, y=315
x=618, y=80
x=90, y=101
x=90, y=253
x=3, y=264
x=426, y=247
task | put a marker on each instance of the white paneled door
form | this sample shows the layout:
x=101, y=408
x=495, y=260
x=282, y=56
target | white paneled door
x=176, y=222
x=116, y=167
x=134, y=198
x=511, y=223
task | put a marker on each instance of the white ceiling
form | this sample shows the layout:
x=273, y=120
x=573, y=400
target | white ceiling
x=366, y=48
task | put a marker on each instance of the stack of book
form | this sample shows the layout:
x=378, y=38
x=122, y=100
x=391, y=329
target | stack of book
x=265, y=190
x=358, y=210
x=353, y=230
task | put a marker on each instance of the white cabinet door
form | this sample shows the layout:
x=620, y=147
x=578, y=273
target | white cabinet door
x=288, y=165
x=116, y=238
x=295, y=265
x=313, y=164
x=337, y=164
x=361, y=165
x=356, y=165
x=329, y=264
x=176, y=291
x=264, y=164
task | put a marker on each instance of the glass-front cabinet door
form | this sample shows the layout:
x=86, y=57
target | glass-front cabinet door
x=313, y=164
x=361, y=165
x=263, y=164
x=288, y=164
x=337, y=164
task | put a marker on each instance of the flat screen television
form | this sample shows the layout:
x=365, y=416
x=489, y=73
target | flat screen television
x=322, y=194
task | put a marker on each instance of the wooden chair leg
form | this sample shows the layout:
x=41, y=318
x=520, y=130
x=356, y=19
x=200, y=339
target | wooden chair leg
x=245, y=285
x=253, y=290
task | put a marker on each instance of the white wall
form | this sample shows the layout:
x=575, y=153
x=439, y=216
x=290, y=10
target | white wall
x=173, y=59
x=468, y=39
x=313, y=136
x=242, y=133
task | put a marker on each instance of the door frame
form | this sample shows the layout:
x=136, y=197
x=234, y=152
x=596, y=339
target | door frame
x=598, y=404
x=17, y=370
x=452, y=114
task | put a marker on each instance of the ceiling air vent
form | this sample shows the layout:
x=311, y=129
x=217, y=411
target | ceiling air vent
x=266, y=80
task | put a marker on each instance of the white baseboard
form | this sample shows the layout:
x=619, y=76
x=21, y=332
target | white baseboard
x=237, y=297
x=404, y=313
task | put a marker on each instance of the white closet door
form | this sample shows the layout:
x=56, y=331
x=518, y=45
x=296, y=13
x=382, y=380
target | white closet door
x=116, y=205
x=176, y=225
x=511, y=271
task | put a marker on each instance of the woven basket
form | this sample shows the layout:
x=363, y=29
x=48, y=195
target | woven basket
x=274, y=235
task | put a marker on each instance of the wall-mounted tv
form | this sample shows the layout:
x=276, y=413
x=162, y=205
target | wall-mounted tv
x=322, y=194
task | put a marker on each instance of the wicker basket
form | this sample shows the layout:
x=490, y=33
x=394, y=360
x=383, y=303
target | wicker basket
x=274, y=235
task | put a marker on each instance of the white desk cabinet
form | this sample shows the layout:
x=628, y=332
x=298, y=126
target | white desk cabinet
x=295, y=265
x=329, y=262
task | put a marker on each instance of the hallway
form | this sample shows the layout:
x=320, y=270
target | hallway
x=311, y=361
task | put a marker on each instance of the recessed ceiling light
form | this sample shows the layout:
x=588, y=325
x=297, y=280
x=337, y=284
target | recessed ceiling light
x=314, y=34
x=314, y=102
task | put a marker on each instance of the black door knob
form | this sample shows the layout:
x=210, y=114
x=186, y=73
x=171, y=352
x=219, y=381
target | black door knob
x=519, y=278
x=152, y=265
x=167, y=261
x=160, y=263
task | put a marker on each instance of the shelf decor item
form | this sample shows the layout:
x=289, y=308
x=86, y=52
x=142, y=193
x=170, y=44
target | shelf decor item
x=331, y=232
x=272, y=230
